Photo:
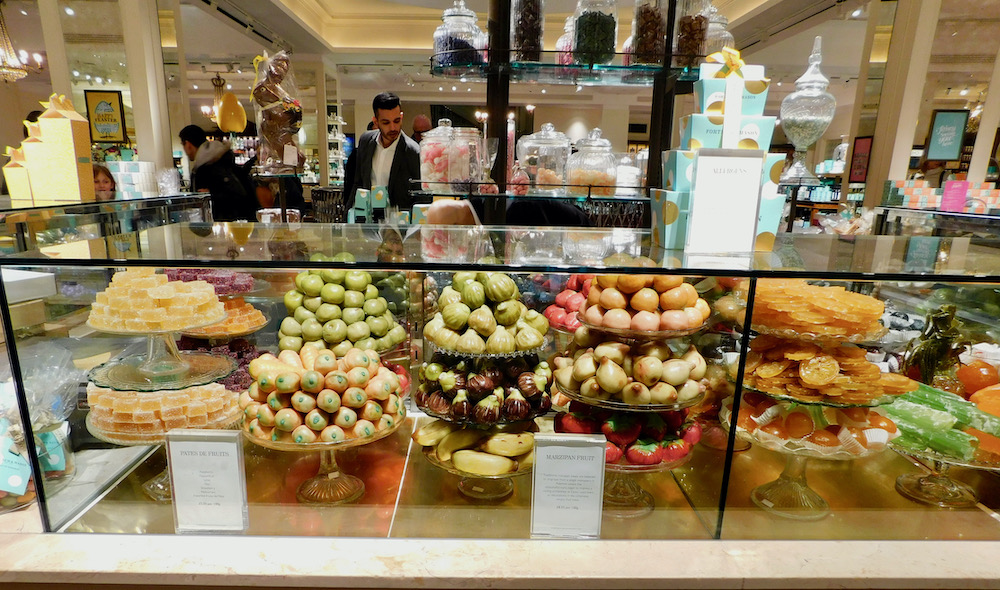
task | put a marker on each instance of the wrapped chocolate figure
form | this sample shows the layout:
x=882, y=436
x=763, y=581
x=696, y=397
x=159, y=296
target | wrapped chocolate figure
x=279, y=113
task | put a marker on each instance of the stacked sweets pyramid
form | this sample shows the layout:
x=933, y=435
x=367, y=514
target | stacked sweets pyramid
x=139, y=300
x=135, y=416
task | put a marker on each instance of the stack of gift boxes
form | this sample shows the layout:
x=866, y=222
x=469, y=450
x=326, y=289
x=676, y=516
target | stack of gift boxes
x=723, y=121
x=134, y=180
x=52, y=166
x=367, y=204
x=919, y=194
x=370, y=205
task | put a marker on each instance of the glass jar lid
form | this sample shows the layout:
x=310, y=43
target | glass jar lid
x=458, y=10
x=443, y=132
x=714, y=16
x=594, y=142
x=548, y=136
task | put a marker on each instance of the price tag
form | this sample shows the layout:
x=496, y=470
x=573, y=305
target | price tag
x=567, y=491
x=208, y=481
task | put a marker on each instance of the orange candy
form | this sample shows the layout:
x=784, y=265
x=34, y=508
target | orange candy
x=977, y=375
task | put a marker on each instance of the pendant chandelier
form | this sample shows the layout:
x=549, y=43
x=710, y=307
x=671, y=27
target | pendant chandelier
x=13, y=66
x=219, y=88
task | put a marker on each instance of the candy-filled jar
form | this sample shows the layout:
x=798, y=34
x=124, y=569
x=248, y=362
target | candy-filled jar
x=543, y=156
x=450, y=158
x=466, y=158
x=527, y=23
x=564, y=44
x=458, y=40
x=690, y=32
x=595, y=31
x=593, y=168
x=649, y=32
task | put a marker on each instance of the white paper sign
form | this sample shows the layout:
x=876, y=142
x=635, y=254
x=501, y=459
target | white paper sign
x=567, y=491
x=725, y=200
x=208, y=481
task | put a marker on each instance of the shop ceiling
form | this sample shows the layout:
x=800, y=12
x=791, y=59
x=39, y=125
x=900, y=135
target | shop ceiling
x=389, y=41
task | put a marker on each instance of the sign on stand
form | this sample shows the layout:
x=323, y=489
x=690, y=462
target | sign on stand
x=567, y=488
x=725, y=201
x=208, y=481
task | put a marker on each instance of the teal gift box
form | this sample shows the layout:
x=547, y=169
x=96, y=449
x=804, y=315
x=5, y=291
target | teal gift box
x=669, y=211
x=419, y=214
x=678, y=165
x=774, y=165
x=705, y=131
x=379, y=197
x=362, y=199
x=710, y=96
x=772, y=206
x=400, y=217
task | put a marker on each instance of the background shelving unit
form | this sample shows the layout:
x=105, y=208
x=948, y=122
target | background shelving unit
x=500, y=71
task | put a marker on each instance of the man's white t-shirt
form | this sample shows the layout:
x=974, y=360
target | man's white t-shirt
x=382, y=161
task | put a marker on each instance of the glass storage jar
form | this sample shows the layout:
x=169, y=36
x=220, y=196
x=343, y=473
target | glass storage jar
x=718, y=35
x=595, y=31
x=450, y=158
x=649, y=32
x=543, y=156
x=465, y=159
x=592, y=170
x=527, y=23
x=805, y=116
x=690, y=30
x=564, y=44
x=458, y=40
x=434, y=150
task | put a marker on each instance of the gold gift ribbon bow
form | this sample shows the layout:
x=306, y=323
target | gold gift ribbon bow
x=731, y=61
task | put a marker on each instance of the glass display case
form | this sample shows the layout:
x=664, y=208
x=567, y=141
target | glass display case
x=791, y=429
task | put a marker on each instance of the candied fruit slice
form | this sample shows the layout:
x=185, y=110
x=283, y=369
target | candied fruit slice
x=819, y=370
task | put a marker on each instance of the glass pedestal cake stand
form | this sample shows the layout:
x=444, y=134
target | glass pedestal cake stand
x=492, y=488
x=158, y=487
x=789, y=495
x=163, y=367
x=330, y=486
x=937, y=488
x=623, y=497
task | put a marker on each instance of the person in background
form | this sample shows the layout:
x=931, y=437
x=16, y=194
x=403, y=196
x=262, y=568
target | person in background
x=214, y=170
x=421, y=125
x=104, y=183
x=933, y=172
x=386, y=156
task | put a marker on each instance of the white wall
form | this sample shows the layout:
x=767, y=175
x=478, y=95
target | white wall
x=574, y=122
x=18, y=99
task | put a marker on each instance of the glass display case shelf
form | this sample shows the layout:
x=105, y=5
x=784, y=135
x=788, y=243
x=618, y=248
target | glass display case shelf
x=428, y=196
x=897, y=221
x=548, y=70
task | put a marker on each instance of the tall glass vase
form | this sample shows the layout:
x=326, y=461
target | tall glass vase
x=805, y=116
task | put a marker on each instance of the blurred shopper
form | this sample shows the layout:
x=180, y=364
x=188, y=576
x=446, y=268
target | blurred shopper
x=214, y=170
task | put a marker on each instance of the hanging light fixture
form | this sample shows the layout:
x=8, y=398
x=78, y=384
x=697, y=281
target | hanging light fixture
x=219, y=88
x=14, y=66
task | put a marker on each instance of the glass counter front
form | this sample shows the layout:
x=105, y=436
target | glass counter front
x=709, y=488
